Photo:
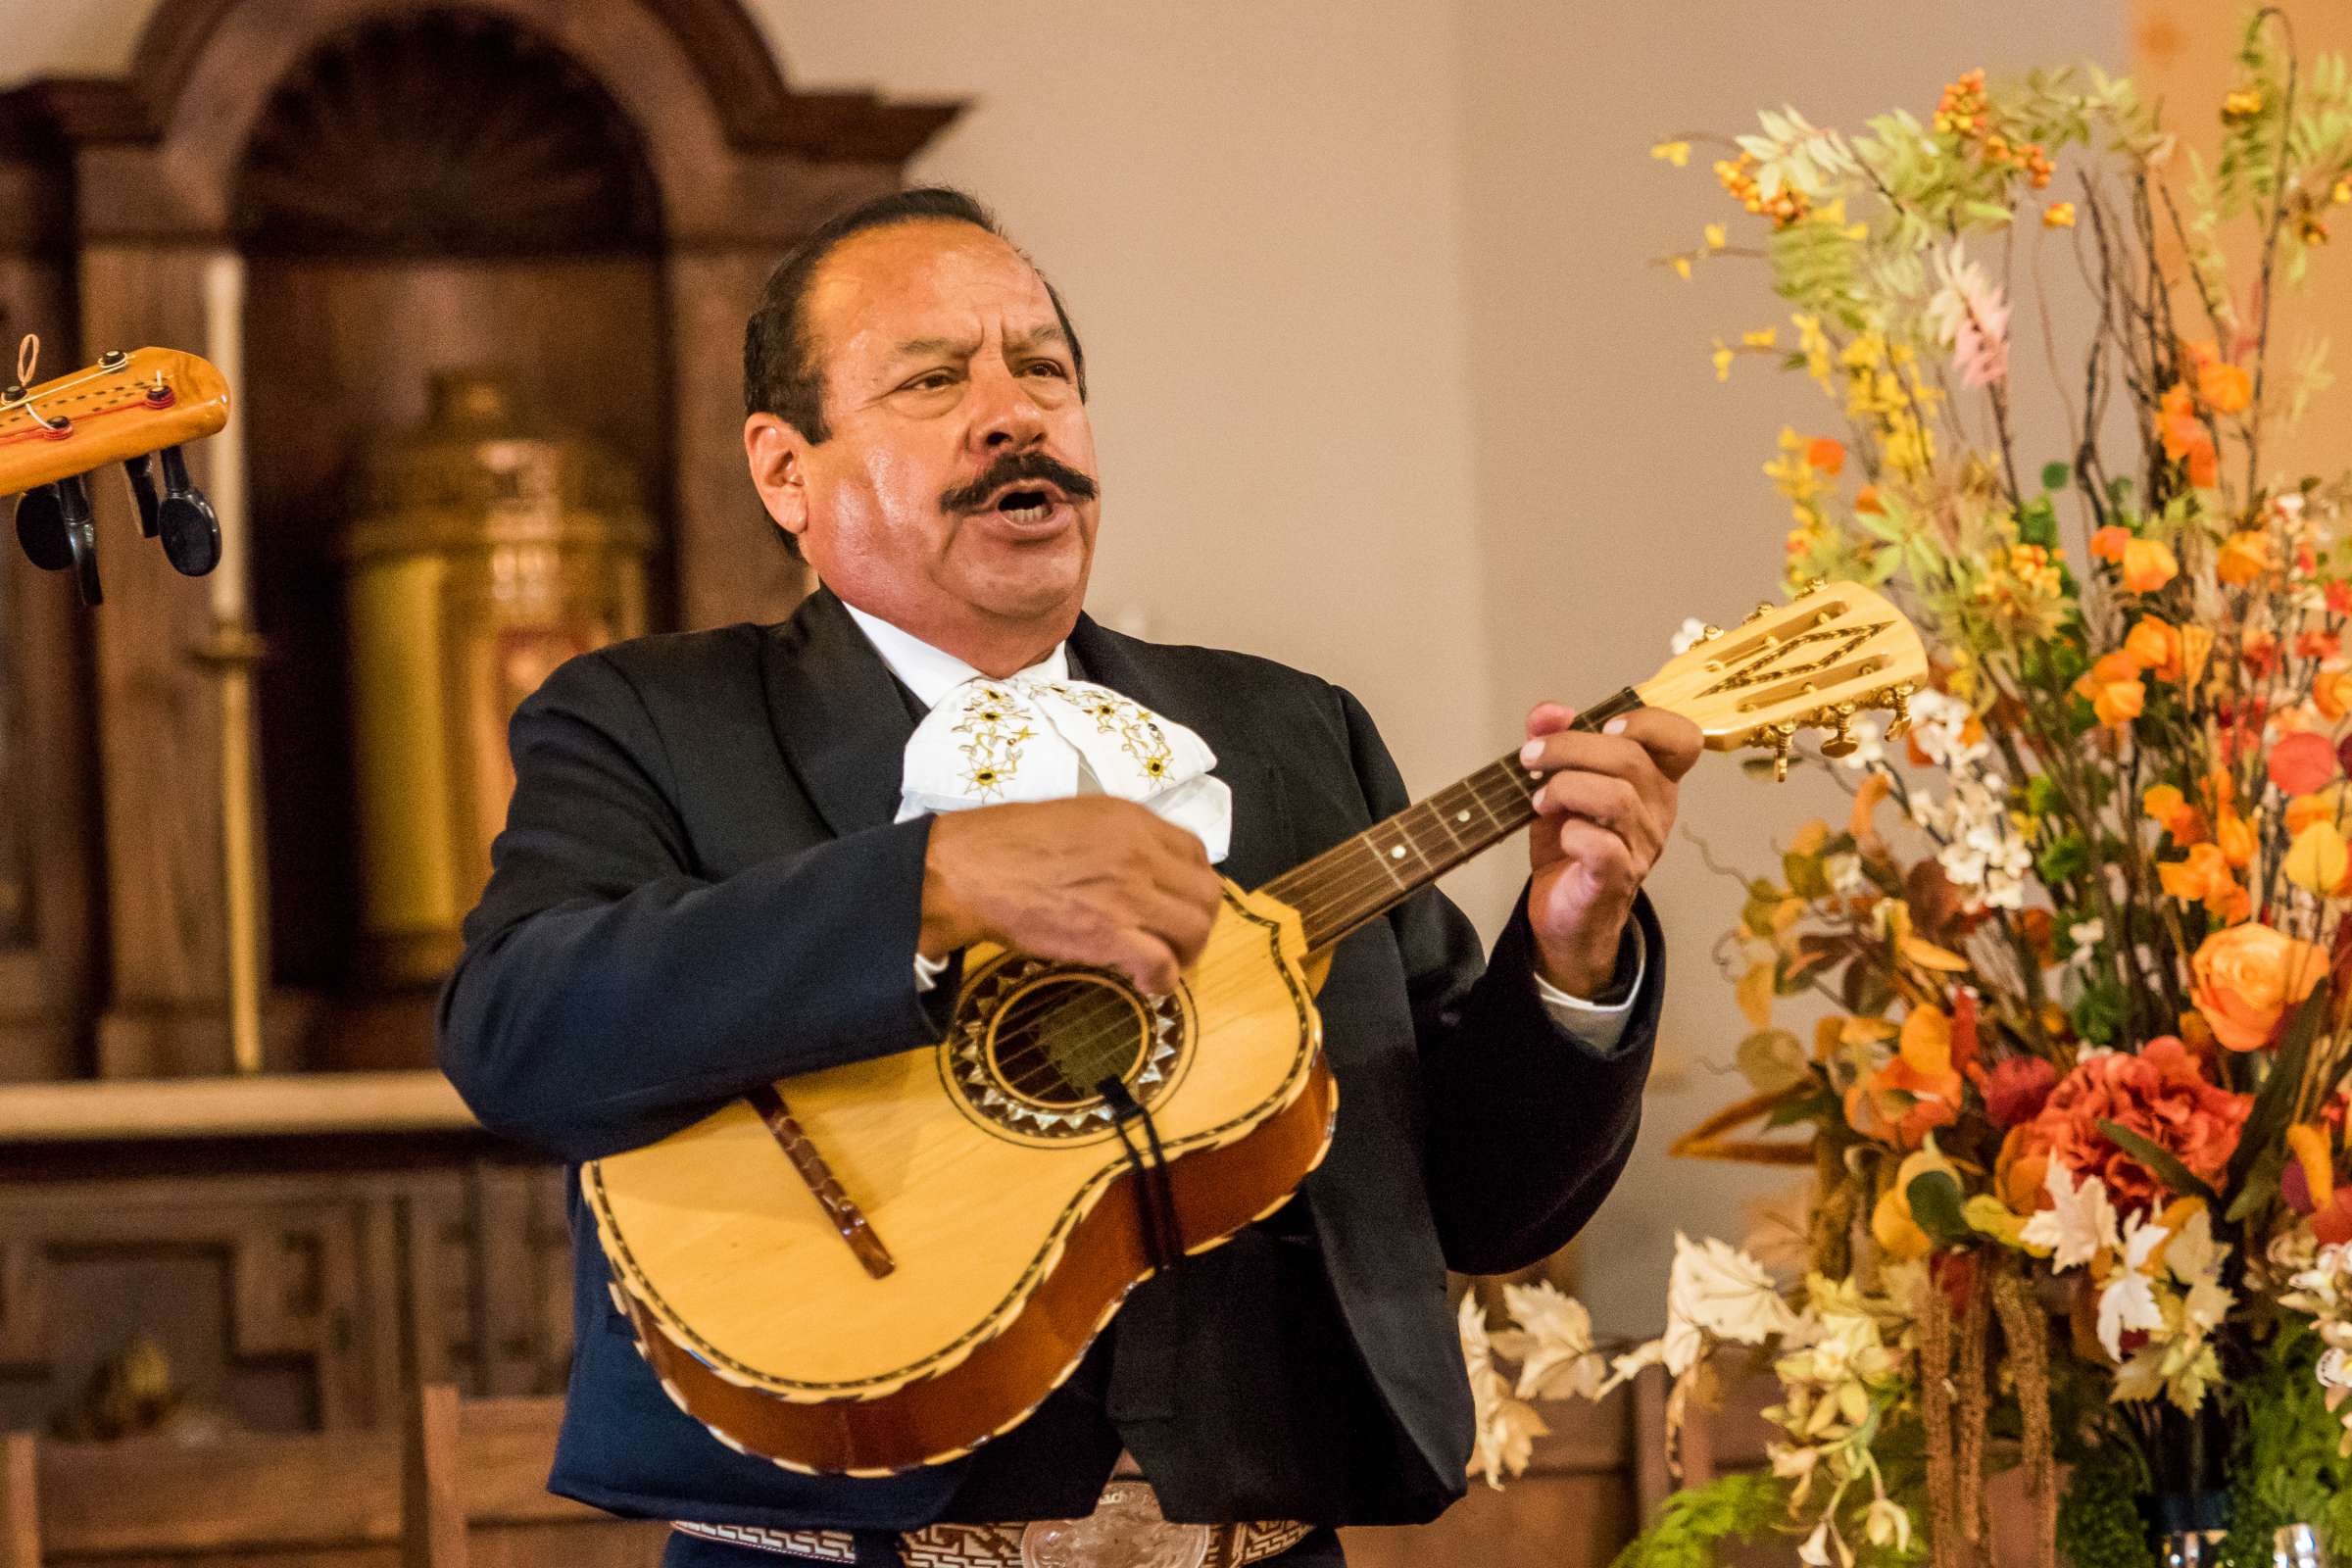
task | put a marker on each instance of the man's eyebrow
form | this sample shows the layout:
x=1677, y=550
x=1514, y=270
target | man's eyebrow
x=1049, y=333
x=923, y=347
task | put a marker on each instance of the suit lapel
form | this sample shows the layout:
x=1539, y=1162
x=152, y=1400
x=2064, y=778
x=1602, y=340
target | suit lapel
x=840, y=719
x=1261, y=847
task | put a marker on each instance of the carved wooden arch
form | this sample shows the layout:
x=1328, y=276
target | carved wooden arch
x=115, y=195
x=737, y=155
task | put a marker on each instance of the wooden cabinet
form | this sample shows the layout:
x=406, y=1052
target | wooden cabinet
x=303, y=1278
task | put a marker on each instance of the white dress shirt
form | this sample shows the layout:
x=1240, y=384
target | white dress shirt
x=931, y=674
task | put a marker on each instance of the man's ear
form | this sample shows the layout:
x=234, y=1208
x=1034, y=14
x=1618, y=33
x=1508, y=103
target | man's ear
x=778, y=456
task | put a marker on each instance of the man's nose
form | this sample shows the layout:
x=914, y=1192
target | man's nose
x=1004, y=415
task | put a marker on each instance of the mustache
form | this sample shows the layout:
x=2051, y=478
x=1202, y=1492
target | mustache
x=1010, y=469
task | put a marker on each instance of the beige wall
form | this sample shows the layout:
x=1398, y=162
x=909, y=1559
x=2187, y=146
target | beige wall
x=1384, y=387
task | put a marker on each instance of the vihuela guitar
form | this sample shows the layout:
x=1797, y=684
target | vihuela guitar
x=877, y=1267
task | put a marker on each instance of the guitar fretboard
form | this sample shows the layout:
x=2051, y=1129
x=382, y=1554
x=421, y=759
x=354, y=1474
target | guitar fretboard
x=1361, y=878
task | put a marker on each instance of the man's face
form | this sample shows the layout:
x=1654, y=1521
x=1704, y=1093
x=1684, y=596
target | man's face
x=955, y=495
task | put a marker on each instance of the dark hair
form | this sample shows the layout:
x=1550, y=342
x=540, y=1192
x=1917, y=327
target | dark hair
x=780, y=372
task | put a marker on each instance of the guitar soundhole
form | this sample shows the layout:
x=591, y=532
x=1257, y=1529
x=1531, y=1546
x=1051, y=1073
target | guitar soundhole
x=1052, y=1043
x=1034, y=1043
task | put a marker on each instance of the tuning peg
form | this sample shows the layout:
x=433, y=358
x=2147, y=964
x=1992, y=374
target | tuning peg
x=53, y=525
x=1779, y=739
x=1898, y=701
x=1840, y=742
x=192, y=532
x=142, y=491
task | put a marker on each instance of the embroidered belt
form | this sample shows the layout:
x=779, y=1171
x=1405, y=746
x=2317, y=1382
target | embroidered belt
x=1125, y=1529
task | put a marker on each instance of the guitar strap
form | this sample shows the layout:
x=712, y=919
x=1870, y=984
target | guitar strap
x=1155, y=1195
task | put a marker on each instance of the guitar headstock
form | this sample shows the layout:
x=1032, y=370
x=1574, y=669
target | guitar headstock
x=125, y=408
x=1814, y=663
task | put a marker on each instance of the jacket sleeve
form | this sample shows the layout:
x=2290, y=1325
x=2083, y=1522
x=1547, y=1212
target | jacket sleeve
x=609, y=994
x=1528, y=1127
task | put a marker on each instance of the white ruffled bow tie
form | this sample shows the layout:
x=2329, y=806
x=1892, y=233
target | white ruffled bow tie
x=990, y=741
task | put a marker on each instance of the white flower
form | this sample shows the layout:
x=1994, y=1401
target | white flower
x=1724, y=1292
x=1553, y=1345
x=2080, y=1226
x=2086, y=935
x=1507, y=1428
x=1887, y=1523
x=2193, y=1254
x=2129, y=1300
x=1870, y=747
x=1693, y=632
x=1815, y=1552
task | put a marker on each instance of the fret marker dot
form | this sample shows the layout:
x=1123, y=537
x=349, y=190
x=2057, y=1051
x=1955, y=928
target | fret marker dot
x=1462, y=816
x=1397, y=853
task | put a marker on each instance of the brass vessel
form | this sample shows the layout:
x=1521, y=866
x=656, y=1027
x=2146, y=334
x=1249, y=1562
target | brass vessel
x=485, y=552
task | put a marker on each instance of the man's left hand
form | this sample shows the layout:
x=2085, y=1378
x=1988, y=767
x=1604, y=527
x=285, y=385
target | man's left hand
x=1603, y=817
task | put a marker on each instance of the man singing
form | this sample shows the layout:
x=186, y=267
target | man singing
x=739, y=855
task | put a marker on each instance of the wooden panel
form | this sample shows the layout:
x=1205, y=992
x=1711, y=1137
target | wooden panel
x=48, y=764
x=159, y=718
x=731, y=563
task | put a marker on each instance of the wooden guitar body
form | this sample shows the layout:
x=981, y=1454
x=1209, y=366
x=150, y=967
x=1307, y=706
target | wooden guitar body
x=992, y=1173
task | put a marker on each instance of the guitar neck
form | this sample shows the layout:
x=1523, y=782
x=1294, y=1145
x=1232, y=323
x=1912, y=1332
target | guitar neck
x=1362, y=878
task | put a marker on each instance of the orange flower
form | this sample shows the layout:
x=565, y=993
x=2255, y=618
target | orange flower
x=1867, y=500
x=2108, y=543
x=2183, y=822
x=2148, y=564
x=2185, y=438
x=2020, y=1171
x=1916, y=1093
x=2245, y=977
x=2114, y=688
x=2162, y=1095
x=1825, y=455
x=2323, y=806
x=2226, y=389
x=2204, y=878
x=2235, y=835
x=2156, y=644
x=2244, y=557
x=2332, y=693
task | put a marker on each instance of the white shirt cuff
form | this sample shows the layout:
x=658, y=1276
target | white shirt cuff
x=1596, y=1026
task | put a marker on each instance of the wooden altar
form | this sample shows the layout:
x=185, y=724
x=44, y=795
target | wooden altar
x=584, y=194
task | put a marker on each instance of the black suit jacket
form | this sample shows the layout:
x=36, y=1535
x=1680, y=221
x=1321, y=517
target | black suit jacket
x=699, y=889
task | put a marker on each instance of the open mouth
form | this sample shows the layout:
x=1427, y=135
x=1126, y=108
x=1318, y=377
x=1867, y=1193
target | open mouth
x=1025, y=504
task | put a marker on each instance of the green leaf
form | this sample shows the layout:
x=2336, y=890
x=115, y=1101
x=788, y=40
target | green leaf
x=1936, y=1205
x=2054, y=475
x=2274, y=1102
x=1806, y=878
x=1800, y=1108
x=2260, y=1184
x=2163, y=1162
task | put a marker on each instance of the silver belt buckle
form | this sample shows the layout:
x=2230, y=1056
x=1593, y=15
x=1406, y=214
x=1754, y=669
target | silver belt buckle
x=1125, y=1530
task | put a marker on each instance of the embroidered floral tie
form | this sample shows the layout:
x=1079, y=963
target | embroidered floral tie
x=992, y=741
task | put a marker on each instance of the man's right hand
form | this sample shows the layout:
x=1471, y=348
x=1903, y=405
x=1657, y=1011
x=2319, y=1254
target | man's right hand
x=1092, y=880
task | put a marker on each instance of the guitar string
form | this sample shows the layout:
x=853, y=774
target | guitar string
x=1351, y=882
x=1355, y=881
x=1357, y=875
x=1352, y=879
x=1082, y=1038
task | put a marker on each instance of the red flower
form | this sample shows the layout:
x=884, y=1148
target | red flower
x=2021, y=1086
x=2161, y=1093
